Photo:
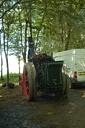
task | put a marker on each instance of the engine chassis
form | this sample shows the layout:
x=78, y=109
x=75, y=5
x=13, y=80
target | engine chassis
x=44, y=74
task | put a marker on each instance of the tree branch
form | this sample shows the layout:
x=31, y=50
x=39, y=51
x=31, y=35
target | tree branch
x=9, y=9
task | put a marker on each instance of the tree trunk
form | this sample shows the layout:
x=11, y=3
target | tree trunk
x=20, y=23
x=1, y=58
x=30, y=22
x=68, y=37
x=25, y=47
x=62, y=38
x=6, y=56
x=19, y=63
x=7, y=82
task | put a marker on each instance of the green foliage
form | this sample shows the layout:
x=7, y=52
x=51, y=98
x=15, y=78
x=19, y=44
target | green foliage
x=61, y=23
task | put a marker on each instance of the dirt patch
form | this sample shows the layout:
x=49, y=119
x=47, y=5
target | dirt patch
x=45, y=112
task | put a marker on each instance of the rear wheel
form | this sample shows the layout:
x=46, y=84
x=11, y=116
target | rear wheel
x=29, y=81
x=33, y=74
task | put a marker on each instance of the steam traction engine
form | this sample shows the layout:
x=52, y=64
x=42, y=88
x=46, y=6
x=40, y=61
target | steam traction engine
x=43, y=73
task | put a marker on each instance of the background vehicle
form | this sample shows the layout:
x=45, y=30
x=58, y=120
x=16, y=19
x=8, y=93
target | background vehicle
x=75, y=63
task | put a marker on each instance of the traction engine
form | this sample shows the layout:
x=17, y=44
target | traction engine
x=43, y=73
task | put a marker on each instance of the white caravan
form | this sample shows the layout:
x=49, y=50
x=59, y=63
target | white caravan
x=75, y=63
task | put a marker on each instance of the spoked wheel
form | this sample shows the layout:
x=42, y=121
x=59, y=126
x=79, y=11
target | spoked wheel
x=65, y=81
x=21, y=82
x=29, y=81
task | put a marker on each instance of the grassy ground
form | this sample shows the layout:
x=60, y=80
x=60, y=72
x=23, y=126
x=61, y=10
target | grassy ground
x=13, y=78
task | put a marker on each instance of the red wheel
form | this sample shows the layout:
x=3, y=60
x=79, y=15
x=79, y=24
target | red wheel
x=29, y=81
x=21, y=82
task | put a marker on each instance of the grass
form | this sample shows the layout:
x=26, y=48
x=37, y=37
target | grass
x=13, y=78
